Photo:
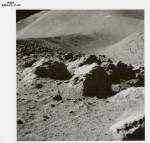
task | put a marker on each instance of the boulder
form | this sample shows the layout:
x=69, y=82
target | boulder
x=130, y=124
x=124, y=71
x=95, y=81
x=29, y=63
x=53, y=69
x=118, y=71
x=57, y=97
x=46, y=68
x=68, y=56
x=121, y=71
x=130, y=128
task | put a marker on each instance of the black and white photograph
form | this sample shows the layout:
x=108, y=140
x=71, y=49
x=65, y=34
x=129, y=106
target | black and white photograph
x=80, y=75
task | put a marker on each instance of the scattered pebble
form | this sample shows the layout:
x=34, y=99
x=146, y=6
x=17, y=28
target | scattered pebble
x=20, y=122
x=57, y=97
x=52, y=105
x=45, y=117
x=39, y=85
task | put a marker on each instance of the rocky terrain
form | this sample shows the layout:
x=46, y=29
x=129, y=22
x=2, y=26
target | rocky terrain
x=69, y=89
x=72, y=96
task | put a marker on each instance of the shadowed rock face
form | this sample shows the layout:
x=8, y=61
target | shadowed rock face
x=46, y=68
x=134, y=76
x=139, y=134
x=55, y=70
x=124, y=70
x=121, y=71
x=97, y=83
x=94, y=80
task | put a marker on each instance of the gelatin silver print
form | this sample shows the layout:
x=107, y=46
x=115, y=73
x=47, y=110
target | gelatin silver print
x=80, y=75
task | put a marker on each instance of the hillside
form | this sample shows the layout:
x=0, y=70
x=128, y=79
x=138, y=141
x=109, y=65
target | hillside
x=130, y=49
x=113, y=33
x=57, y=23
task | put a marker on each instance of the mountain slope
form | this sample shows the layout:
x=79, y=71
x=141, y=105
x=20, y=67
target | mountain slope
x=89, y=31
x=130, y=49
x=56, y=23
x=26, y=21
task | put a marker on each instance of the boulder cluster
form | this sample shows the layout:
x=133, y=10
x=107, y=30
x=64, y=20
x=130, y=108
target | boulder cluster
x=99, y=75
x=102, y=78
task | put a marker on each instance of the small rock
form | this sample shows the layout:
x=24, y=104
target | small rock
x=57, y=97
x=90, y=59
x=116, y=88
x=25, y=57
x=52, y=105
x=68, y=56
x=103, y=58
x=29, y=63
x=133, y=82
x=20, y=122
x=39, y=85
x=71, y=112
x=45, y=117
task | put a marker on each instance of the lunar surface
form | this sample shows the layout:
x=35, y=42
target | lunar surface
x=80, y=76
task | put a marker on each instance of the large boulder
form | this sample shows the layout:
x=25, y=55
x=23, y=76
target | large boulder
x=95, y=81
x=46, y=68
x=124, y=71
x=53, y=69
x=130, y=125
x=120, y=71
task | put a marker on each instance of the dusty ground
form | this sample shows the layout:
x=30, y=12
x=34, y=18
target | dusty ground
x=72, y=118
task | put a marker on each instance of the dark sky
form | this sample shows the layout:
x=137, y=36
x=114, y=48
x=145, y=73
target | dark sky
x=20, y=14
